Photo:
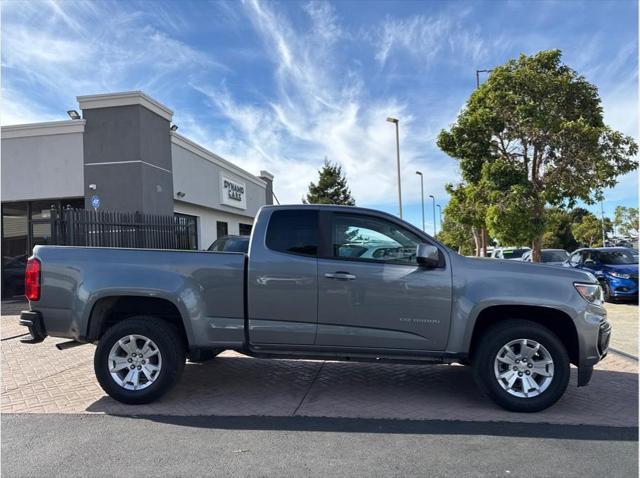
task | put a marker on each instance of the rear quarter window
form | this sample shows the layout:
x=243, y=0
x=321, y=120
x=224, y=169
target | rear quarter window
x=293, y=232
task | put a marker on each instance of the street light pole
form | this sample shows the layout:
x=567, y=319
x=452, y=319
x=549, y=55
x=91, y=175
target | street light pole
x=422, y=197
x=602, y=222
x=440, y=215
x=434, y=214
x=396, y=121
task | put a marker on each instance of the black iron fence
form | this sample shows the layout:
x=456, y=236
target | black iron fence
x=80, y=227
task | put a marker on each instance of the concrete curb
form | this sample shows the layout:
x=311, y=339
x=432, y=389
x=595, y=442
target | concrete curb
x=624, y=354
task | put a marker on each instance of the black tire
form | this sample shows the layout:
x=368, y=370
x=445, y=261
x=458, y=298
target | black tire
x=203, y=355
x=169, y=343
x=501, y=334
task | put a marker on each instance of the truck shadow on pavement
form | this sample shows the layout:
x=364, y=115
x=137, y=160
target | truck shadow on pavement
x=234, y=391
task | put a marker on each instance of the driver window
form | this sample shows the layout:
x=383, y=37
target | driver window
x=372, y=239
x=575, y=259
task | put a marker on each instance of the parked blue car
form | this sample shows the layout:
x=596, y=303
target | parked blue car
x=615, y=267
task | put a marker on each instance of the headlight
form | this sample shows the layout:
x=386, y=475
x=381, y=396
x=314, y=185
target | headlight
x=590, y=292
x=619, y=275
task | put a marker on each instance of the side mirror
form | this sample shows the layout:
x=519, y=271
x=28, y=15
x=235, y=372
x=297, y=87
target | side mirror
x=428, y=255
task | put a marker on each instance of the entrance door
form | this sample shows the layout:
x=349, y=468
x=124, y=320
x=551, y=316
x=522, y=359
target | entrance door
x=373, y=294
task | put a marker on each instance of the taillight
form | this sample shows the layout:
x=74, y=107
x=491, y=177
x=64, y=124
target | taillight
x=32, y=279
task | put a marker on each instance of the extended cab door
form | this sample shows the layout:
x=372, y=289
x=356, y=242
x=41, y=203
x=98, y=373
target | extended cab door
x=282, y=279
x=371, y=291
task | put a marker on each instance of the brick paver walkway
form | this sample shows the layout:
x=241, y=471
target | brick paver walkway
x=41, y=379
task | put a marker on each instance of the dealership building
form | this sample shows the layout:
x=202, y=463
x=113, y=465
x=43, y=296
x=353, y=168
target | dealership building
x=122, y=153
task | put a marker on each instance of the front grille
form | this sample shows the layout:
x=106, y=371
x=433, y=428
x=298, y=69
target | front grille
x=604, y=336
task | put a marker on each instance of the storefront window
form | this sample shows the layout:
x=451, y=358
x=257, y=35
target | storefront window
x=15, y=245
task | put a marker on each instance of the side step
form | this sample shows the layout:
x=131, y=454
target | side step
x=68, y=345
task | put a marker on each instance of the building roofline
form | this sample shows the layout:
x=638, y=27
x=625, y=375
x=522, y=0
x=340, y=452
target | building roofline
x=42, y=129
x=124, y=98
x=204, y=153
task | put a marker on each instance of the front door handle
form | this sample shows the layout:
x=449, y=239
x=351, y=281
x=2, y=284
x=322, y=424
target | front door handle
x=339, y=275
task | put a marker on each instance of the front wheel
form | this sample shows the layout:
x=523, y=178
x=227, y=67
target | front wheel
x=521, y=365
x=139, y=359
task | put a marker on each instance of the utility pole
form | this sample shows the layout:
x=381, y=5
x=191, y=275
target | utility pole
x=434, y=214
x=602, y=222
x=396, y=121
x=440, y=215
x=422, y=197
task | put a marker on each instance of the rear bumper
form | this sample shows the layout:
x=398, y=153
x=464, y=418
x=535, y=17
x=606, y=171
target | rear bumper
x=33, y=321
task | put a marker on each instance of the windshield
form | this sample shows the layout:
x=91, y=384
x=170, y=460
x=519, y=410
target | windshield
x=617, y=257
x=513, y=253
x=554, y=256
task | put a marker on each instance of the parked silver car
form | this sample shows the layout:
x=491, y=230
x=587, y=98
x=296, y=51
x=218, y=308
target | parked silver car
x=551, y=257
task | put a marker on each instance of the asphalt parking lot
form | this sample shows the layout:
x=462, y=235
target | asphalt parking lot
x=239, y=402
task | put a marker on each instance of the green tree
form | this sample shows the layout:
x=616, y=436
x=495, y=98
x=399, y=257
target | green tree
x=466, y=212
x=625, y=221
x=537, y=115
x=588, y=232
x=558, y=233
x=331, y=188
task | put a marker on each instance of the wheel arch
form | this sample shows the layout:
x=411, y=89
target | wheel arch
x=559, y=322
x=109, y=310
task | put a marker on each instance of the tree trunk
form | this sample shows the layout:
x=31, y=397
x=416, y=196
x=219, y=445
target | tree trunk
x=536, y=246
x=476, y=239
x=485, y=241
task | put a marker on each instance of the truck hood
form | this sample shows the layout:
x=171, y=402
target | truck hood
x=534, y=269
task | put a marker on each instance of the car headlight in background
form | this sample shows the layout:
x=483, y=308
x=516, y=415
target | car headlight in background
x=590, y=292
x=619, y=275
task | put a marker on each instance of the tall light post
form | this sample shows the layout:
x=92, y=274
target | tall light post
x=434, y=214
x=422, y=197
x=397, y=121
x=440, y=215
x=602, y=221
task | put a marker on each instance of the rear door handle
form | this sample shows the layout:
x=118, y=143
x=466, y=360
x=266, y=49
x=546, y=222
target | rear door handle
x=339, y=275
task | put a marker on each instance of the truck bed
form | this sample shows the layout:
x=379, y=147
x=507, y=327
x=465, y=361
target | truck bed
x=201, y=285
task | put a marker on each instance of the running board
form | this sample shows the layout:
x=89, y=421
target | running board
x=68, y=345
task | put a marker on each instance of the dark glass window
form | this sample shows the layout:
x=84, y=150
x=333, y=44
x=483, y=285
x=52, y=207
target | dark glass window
x=187, y=231
x=222, y=229
x=294, y=231
x=245, y=229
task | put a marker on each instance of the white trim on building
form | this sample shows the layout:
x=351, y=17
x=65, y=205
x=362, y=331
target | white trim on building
x=42, y=129
x=126, y=98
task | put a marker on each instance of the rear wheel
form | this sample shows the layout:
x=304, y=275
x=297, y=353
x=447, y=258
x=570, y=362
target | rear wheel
x=139, y=359
x=521, y=365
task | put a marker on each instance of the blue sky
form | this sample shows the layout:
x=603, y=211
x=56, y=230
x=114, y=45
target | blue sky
x=281, y=85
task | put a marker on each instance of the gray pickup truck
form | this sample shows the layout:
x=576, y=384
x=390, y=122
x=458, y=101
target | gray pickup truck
x=321, y=282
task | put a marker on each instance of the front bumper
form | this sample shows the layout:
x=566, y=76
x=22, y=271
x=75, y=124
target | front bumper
x=33, y=321
x=622, y=287
x=594, y=332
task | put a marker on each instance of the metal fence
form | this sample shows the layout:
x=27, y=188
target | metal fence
x=80, y=227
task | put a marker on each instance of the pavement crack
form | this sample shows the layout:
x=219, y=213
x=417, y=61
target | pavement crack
x=315, y=377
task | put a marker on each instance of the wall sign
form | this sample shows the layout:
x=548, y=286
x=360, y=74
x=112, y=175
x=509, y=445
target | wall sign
x=233, y=193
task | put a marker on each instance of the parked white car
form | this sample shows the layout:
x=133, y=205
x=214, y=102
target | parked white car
x=509, y=253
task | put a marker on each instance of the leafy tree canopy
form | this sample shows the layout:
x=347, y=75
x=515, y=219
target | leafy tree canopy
x=625, y=221
x=538, y=125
